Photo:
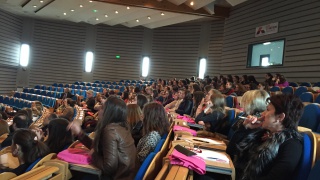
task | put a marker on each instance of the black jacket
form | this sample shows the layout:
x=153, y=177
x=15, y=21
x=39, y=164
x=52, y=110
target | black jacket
x=185, y=107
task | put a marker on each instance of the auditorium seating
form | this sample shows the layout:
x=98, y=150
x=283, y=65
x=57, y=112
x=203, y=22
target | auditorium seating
x=310, y=117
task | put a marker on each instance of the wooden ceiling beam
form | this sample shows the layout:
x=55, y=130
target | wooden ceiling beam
x=161, y=6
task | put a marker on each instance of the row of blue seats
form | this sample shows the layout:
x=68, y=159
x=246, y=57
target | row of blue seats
x=53, y=94
x=16, y=103
x=306, y=84
x=45, y=100
x=102, y=84
x=290, y=90
x=98, y=89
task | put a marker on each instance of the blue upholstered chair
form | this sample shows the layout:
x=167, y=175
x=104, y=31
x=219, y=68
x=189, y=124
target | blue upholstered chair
x=307, y=84
x=308, y=156
x=317, y=84
x=144, y=166
x=310, y=117
x=306, y=97
x=293, y=84
x=287, y=90
x=317, y=100
x=275, y=89
x=37, y=87
x=300, y=90
x=230, y=101
x=159, y=145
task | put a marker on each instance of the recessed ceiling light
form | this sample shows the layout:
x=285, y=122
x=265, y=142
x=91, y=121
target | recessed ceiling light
x=149, y=17
x=34, y=6
x=41, y=1
x=95, y=10
x=137, y=20
x=72, y=10
x=90, y=1
x=105, y=15
x=81, y=5
x=128, y=7
x=162, y=14
x=97, y=19
x=191, y=3
x=64, y=13
x=116, y=12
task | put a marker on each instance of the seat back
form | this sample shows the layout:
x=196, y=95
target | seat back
x=159, y=146
x=287, y=90
x=40, y=161
x=306, y=97
x=308, y=156
x=230, y=101
x=310, y=117
x=307, y=84
x=143, y=168
x=154, y=167
x=275, y=89
x=293, y=84
x=300, y=90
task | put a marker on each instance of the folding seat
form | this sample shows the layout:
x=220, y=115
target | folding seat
x=310, y=117
x=106, y=86
x=127, y=84
x=37, y=91
x=1, y=99
x=43, y=87
x=317, y=100
x=78, y=87
x=121, y=80
x=317, y=84
x=15, y=103
x=82, y=83
x=39, y=98
x=17, y=94
x=120, y=83
x=108, y=82
x=6, y=100
x=25, y=90
x=100, y=89
x=11, y=101
x=20, y=105
x=88, y=84
x=307, y=84
x=122, y=88
x=89, y=87
x=300, y=90
x=103, y=82
x=33, y=97
x=58, y=95
x=73, y=86
x=55, y=84
x=23, y=95
x=306, y=97
x=61, y=89
x=43, y=92
x=77, y=91
x=66, y=85
x=114, y=83
x=84, y=88
x=37, y=87
x=60, y=85
x=96, y=81
x=83, y=93
x=49, y=88
x=117, y=87
x=95, y=89
x=31, y=91
x=94, y=85
x=144, y=166
x=230, y=101
x=133, y=81
x=275, y=89
x=55, y=89
x=287, y=90
x=77, y=83
x=71, y=91
x=127, y=81
x=111, y=87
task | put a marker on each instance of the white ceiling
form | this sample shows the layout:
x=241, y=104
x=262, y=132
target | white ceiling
x=94, y=12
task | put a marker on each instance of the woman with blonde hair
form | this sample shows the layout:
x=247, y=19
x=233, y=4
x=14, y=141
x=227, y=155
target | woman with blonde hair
x=253, y=103
x=135, y=121
x=213, y=115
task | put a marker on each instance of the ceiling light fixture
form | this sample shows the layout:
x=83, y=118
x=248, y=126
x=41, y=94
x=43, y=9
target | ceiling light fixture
x=191, y=3
x=162, y=14
x=137, y=20
x=128, y=7
x=97, y=19
x=72, y=10
x=105, y=15
x=149, y=17
x=81, y=5
x=41, y=1
x=65, y=14
x=34, y=6
x=116, y=12
x=90, y=1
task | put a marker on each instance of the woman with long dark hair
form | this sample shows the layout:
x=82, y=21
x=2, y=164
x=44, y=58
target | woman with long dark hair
x=114, y=152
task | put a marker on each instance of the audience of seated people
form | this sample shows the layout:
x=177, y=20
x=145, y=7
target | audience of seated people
x=138, y=120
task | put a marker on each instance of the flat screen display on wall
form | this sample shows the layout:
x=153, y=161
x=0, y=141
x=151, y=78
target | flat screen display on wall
x=269, y=53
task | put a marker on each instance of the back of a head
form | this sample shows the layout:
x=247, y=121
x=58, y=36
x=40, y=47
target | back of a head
x=115, y=111
x=30, y=147
x=155, y=119
x=198, y=96
x=58, y=136
x=134, y=114
x=27, y=113
x=254, y=101
x=141, y=100
x=291, y=106
x=21, y=121
x=218, y=101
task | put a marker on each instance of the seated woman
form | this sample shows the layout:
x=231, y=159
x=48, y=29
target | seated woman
x=26, y=147
x=135, y=121
x=197, y=98
x=213, y=115
x=185, y=106
x=253, y=103
x=68, y=110
x=275, y=145
x=281, y=81
x=114, y=152
x=58, y=138
x=155, y=125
